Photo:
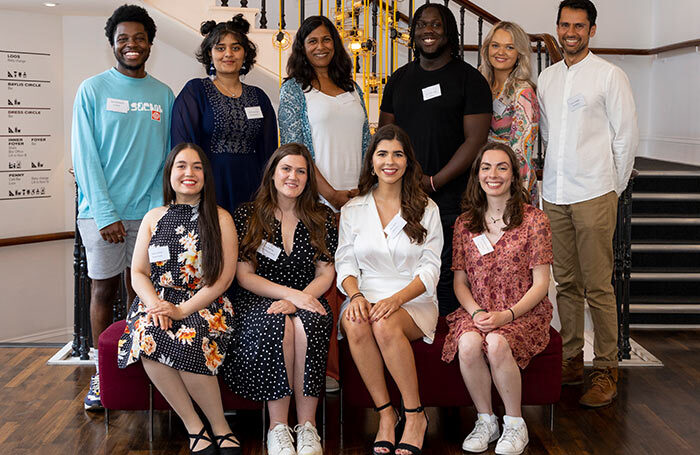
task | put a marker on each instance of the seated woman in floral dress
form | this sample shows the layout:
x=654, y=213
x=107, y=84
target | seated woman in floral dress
x=502, y=252
x=283, y=324
x=180, y=323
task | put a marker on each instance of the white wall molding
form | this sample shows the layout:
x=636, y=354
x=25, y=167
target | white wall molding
x=677, y=149
x=59, y=335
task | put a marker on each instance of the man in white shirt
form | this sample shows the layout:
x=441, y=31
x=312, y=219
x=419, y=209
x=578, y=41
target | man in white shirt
x=589, y=126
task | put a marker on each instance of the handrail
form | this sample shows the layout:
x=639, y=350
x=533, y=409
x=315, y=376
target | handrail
x=652, y=51
x=37, y=238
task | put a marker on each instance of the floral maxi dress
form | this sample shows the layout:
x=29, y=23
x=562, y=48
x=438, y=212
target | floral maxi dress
x=197, y=343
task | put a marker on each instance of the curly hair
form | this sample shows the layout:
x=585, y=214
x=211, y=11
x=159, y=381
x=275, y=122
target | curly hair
x=474, y=202
x=311, y=212
x=521, y=41
x=449, y=24
x=413, y=199
x=130, y=13
x=299, y=68
x=214, y=32
x=208, y=220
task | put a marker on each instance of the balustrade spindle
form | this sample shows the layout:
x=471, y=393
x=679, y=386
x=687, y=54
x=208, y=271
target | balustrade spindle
x=224, y=2
x=75, y=348
x=244, y=3
x=478, y=49
x=320, y=8
x=282, y=22
x=302, y=11
x=462, y=10
x=374, y=33
x=263, y=14
x=446, y=3
x=84, y=297
x=539, y=57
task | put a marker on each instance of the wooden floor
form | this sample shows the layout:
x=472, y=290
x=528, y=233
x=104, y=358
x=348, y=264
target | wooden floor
x=657, y=412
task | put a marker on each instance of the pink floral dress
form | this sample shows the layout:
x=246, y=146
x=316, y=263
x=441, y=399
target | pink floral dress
x=498, y=280
x=197, y=343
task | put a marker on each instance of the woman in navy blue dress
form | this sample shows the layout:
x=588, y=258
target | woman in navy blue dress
x=233, y=122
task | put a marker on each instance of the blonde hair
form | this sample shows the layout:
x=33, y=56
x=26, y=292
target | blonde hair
x=522, y=70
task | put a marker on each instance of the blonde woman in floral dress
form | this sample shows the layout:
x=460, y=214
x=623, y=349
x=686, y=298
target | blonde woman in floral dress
x=180, y=323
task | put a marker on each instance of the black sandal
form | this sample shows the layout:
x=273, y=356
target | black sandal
x=385, y=444
x=411, y=448
x=236, y=450
x=209, y=450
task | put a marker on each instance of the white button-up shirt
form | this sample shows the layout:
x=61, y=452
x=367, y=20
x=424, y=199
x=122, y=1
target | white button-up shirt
x=589, y=127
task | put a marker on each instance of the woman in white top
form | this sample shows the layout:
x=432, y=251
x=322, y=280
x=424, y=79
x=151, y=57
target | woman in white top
x=323, y=108
x=388, y=263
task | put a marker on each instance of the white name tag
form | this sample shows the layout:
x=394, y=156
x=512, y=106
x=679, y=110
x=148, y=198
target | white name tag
x=116, y=105
x=431, y=92
x=269, y=250
x=158, y=253
x=253, y=112
x=395, y=226
x=499, y=107
x=576, y=102
x=482, y=244
x=346, y=98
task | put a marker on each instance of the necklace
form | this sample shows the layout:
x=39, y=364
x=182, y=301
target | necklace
x=222, y=86
x=493, y=220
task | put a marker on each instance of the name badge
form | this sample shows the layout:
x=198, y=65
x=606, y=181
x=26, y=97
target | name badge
x=158, y=253
x=395, y=226
x=345, y=98
x=482, y=244
x=269, y=250
x=431, y=92
x=576, y=102
x=115, y=105
x=253, y=112
x=499, y=107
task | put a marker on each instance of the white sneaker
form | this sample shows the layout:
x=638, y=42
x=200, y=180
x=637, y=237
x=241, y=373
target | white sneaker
x=514, y=438
x=308, y=440
x=280, y=441
x=485, y=431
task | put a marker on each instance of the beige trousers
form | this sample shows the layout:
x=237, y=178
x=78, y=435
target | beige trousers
x=582, y=235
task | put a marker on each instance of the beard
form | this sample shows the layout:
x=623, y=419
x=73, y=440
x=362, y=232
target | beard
x=129, y=66
x=432, y=55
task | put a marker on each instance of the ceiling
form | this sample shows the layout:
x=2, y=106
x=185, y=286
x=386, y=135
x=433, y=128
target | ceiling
x=65, y=7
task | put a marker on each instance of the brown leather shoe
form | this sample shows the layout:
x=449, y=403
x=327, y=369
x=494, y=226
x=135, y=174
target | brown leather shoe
x=603, y=388
x=572, y=370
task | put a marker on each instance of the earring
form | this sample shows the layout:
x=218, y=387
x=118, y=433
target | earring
x=212, y=71
x=371, y=171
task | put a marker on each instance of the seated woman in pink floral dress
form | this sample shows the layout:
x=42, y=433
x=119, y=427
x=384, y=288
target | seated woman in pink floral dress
x=502, y=251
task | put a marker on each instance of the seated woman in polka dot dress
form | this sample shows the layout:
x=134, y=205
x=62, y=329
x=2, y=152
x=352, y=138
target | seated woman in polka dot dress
x=283, y=324
x=179, y=325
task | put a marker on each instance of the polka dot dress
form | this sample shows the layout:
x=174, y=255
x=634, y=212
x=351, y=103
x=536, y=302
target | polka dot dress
x=197, y=343
x=255, y=366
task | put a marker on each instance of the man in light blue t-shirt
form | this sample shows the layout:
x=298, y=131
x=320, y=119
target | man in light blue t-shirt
x=119, y=140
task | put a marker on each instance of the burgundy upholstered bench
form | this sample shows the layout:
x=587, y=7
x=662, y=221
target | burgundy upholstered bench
x=441, y=385
x=130, y=389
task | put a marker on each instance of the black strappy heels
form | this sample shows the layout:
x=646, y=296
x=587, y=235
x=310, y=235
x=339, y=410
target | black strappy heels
x=209, y=450
x=386, y=444
x=236, y=450
x=411, y=448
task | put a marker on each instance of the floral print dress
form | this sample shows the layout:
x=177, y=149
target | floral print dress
x=197, y=343
x=498, y=280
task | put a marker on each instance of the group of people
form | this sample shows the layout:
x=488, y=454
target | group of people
x=231, y=243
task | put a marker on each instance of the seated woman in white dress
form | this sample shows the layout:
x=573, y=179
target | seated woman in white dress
x=388, y=263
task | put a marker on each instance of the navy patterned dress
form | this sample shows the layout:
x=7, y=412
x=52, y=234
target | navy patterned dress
x=197, y=343
x=255, y=366
x=237, y=143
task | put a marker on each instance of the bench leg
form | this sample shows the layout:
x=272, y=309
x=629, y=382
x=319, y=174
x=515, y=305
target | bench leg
x=264, y=426
x=551, y=417
x=106, y=421
x=150, y=412
x=323, y=419
x=340, y=415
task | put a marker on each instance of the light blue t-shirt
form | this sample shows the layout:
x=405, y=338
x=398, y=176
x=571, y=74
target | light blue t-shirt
x=119, y=140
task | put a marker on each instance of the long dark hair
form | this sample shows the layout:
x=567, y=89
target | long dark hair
x=208, y=220
x=449, y=25
x=312, y=213
x=413, y=198
x=213, y=33
x=474, y=202
x=299, y=68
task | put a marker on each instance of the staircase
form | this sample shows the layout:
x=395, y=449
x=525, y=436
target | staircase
x=665, y=279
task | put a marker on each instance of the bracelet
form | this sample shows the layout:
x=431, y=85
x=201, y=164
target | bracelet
x=476, y=311
x=512, y=314
x=357, y=294
x=432, y=185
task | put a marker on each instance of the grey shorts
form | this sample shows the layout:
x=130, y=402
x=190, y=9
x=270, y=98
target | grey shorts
x=104, y=259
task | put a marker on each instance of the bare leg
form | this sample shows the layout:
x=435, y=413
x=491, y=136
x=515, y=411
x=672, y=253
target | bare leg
x=505, y=372
x=102, y=296
x=370, y=364
x=306, y=406
x=204, y=389
x=394, y=336
x=169, y=383
x=475, y=372
x=279, y=409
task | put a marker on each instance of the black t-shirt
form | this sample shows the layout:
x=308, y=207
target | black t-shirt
x=436, y=125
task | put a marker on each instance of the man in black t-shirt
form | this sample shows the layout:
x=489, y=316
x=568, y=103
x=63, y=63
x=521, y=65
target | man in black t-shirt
x=445, y=106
